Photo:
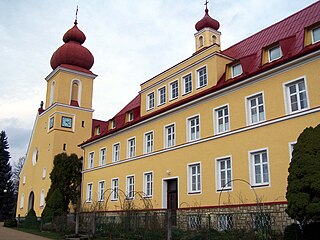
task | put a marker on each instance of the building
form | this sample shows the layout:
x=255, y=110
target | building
x=216, y=129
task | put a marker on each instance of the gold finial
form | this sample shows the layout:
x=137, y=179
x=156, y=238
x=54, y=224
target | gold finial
x=76, y=20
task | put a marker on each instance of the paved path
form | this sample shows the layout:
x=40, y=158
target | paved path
x=12, y=234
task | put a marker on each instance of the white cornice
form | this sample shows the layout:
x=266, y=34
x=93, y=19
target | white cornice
x=66, y=106
x=55, y=71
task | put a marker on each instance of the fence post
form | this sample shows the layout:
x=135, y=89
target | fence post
x=93, y=223
x=77, y=223
x=169, y=224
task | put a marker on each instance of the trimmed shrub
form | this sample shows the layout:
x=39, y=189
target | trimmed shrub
x=31, y=220
x=311, y=230
x=10, y=223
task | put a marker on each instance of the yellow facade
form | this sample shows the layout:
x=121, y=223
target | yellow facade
x=215, y=129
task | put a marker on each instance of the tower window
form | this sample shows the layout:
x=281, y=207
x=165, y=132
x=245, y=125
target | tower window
x=64, y=147
x=75, y=92
x=200, y=42
x=52, y=92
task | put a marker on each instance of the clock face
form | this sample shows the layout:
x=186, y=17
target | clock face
x=66, y=122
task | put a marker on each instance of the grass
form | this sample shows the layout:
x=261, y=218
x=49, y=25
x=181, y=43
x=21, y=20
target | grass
x=51, y=235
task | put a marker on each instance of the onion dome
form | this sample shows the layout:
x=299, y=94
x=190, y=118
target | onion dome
x=207, y=21
x=72, y=52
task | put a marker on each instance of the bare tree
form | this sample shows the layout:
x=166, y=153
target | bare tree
x=16, y=170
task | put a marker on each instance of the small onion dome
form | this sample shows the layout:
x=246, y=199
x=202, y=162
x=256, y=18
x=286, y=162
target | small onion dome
x=72, y=52
x=207, y=21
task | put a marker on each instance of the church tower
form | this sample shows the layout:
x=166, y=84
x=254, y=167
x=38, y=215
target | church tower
x=63, y=122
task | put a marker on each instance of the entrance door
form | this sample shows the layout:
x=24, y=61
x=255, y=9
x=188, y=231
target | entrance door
x=31, y=201
x=172, y=199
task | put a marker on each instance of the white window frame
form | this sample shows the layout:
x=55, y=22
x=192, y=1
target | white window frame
x=184, y=83
x=24, y=179
x=219, y=176
x=101, y=190
x=198, y=178
x=224, y=220
x=130, y=153
x=160, y=94
x=51, y=122
x=271, y=49
x=233, y=68
x=291, y=147
x=174, y=90
x=312, y=34
x=252, y=170
x=148, y=99
x=189, y=128
x=146, y=141
x=89, y=192
x=41, y=198
x=172, y=142
x=116, y=152
x=114, y=189
x=286, y=89
x=130, y=186
x=91, y=160
x=113, y=124
x=103, y=156
x=147, y=184
x=249, y=107
x=130, y=116
x=22, y=201
x=198, y=70
x=217, y=118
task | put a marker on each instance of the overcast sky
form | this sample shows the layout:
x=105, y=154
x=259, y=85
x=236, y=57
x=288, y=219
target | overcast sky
x=131, y=41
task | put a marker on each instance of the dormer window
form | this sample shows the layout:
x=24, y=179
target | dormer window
x=236, y=70
x=316, y=35
x=130, y=116
x=274, y=53
x=113, y=124
x=97, y=130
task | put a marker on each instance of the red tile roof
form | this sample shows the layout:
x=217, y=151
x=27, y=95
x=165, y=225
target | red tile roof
x=288, y=33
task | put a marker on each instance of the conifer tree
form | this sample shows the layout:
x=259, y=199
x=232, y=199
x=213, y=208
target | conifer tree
x=7, y=199
x=303, y=191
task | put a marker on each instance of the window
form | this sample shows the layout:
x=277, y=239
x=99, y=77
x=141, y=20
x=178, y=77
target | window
x=113, y=124
x=222, y=123
x=44, y=173
x=187, y=83
x=22, y=201
x=130, y=116
x=97, y=130
x=148, y=142
x=225, y=222
x=89, y=192
x=24, y=179
x=193, y=128
x=261, y=221
x=91, y=160
x=131, y=148
x=51, y=122
x=150, y=101
x=174, y=90
x=236, y=70
x=148, y=184
x=256, y=109
x=194, y=178
x=169, y=136
x=130, y=187
x=76, y=91
x=42, y=198
x=161, y=96
x=35, y=156
x=274, y=53
x=116, y=152
x=223, y=174
x=291, y=148
x=194, y=222
x=202, y=77
x=101, y=191
x=102, y=156
x=259, y=168
x=115, y=189
x=52, y=92
x=316, y=35
x=297, y=98
x=200, y=42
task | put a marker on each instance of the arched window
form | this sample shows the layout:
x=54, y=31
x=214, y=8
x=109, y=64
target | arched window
x=214, y=39
x=52, y=92
x=200, y=42
x=31, y=201
x=75, y=93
